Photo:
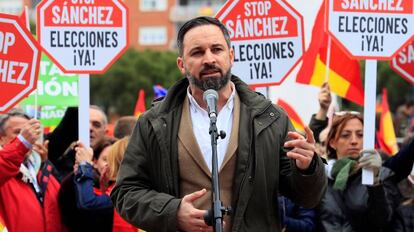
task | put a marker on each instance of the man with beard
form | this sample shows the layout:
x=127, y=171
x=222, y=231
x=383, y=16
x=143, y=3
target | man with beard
x=164, y=183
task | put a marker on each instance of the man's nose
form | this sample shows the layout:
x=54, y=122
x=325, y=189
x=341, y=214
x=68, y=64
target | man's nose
x=209, y=57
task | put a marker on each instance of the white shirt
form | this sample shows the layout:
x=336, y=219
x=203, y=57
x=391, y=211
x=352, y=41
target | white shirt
x=201, y=125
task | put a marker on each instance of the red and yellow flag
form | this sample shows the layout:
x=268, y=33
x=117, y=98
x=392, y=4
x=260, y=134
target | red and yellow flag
x=140, y=105
x=386, y=136
x=2, y=225
x=293, y=116
x=344, y=76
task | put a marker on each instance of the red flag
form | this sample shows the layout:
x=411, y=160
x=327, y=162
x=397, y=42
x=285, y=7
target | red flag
x=386, y=135
x=140, y=105
x=2, y=225
x=344, y=75
x=24, y=18
x=293, y=116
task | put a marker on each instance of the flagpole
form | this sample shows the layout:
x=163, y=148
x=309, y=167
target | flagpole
x=27, y=22
x=328, y=59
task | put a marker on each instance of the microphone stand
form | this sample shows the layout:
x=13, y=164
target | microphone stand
x=214, y=217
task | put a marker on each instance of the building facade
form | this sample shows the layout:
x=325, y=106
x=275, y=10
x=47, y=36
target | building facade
x=14, y=6
x=154, y=23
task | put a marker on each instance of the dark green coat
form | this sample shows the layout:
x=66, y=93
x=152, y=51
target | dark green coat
x=147, y=190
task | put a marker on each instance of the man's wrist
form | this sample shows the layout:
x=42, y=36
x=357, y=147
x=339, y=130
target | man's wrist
x=26, y=143
x=84, y=162
x=321, y=114
x=311, y=169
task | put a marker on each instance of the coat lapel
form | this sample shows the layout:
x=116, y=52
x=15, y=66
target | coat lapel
x=233, y=142
x=187, y=138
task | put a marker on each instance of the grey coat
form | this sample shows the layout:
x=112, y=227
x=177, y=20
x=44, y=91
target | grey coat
x=147, y=190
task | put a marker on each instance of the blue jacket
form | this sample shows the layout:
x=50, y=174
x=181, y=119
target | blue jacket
x=85, y=196
x=296, y=218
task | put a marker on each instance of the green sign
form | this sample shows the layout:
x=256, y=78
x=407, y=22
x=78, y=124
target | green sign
x=50, y=116
x=54, y=88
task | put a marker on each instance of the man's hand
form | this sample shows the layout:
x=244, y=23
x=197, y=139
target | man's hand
x=325, y=99
x=303, y=149
x=42, y=149
x=371, y=159
x=324, y=96
x=188, y=217
x=31, y=131
x=83, y=153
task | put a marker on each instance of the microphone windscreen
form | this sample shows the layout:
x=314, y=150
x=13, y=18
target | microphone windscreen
x=210, y=93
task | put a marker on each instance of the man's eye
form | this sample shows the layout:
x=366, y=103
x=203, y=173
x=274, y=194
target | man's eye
x=97, y=125
x=215, y=50
x=196, y=53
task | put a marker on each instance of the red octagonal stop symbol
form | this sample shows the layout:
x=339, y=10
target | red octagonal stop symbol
x=84, y=36
x=403, y=62
x=267, y=39
x=19, y=62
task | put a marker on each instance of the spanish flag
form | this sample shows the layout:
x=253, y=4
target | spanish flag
x=2, y=226
x=24, y=19
x=344, y=75
x=140, y=105
x=293, y=116
x=387, y=140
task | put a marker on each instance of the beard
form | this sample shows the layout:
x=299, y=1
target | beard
x=215, y=83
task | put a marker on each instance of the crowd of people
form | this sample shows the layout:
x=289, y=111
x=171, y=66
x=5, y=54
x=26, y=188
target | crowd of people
x=72, y=192
x=154, y=173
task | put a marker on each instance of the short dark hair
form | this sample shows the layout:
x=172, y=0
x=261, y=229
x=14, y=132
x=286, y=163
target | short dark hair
x=12, y=113
x=409, y=103
x=196, y=22
x=100, y=147
x=124, y=126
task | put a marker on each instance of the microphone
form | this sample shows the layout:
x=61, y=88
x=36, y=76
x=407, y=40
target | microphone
x=210, y=96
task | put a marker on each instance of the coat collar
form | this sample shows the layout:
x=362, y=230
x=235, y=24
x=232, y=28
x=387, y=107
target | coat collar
x=254, y=101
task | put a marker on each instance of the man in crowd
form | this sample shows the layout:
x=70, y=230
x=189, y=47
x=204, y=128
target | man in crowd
x=98, y=126
x=28, y=191
x=164, y=183
x=124, y=126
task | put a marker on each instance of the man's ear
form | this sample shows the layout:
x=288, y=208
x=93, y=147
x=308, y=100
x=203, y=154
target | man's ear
x=231, y=56
x=180, y=65
x=3, y=140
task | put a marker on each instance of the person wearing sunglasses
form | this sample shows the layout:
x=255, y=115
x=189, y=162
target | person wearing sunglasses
x=347, y=204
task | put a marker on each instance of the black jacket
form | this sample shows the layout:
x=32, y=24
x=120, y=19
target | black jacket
x=147, y=190
x=359, y=207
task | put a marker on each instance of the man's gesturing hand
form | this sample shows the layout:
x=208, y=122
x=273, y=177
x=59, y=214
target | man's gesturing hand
x=188, y=217
x=303, y=149
x=31, y=130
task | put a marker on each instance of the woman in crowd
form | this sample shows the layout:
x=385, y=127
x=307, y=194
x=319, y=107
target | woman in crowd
x=78, y=214
x=348, y=205
x=115, y=157
x=91, y=198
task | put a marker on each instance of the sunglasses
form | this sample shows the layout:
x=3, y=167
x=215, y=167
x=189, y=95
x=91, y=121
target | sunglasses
x=342, y=113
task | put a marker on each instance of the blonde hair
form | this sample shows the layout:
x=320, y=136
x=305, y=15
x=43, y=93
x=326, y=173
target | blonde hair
x=115, y=156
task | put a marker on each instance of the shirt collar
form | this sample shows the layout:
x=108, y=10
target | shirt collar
x=194, y=106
